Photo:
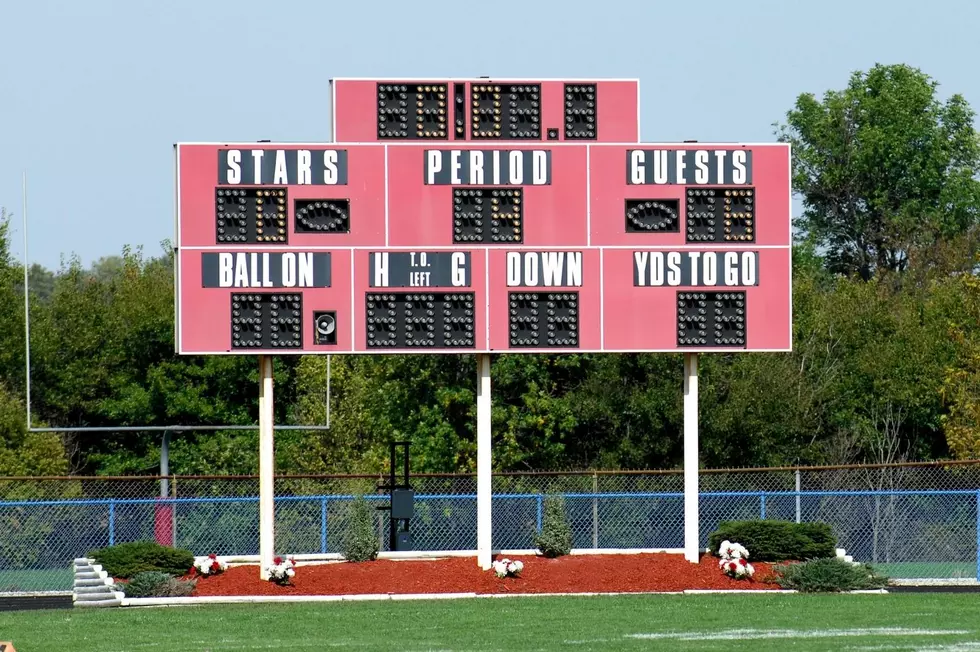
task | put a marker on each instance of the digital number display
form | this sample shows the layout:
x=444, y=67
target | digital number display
x=711, y=319
x=506, y=111
x=544, y=320
x=267, y=321
x=412, y=111
x=580, y=112
x=430, y=320
x=488, y=216
x=728, y=212
x=250, y=215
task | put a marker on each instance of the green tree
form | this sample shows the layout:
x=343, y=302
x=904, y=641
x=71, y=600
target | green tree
x=11, y=311
x=883, y=167
x=24, y=453
x=961, y=382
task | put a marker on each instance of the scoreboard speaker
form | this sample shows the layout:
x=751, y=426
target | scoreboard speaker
x=325, y=327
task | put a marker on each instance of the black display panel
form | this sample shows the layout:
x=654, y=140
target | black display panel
x=505, y=111
x=580, y=112
x=267, y=321
x=403, y=320
x=721, y=214
x=543, y=319
x=413, y=111
x=711, y=319
x=488, y=215
x=459, y=111
x=322, y=216
x=250, y=215
x=653, y=216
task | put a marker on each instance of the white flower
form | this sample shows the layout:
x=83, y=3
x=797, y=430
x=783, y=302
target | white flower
x=290, y=572
x=729, y=551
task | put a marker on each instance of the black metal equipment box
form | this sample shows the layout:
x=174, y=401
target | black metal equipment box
x=402, y=503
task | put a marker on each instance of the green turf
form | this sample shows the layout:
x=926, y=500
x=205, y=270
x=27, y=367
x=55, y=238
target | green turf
x=943, y=570
x=52, y=579
x=676, y=623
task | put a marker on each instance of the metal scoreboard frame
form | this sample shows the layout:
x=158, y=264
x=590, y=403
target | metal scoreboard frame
x=481, y=216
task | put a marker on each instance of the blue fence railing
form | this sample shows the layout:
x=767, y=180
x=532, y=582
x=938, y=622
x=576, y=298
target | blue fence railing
x=908, y=533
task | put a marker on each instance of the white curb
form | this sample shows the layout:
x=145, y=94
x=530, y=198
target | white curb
x=369, y=597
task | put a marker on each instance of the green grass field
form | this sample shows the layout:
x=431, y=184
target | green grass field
x=923, y=622
x=52, y=579
x=931, y=570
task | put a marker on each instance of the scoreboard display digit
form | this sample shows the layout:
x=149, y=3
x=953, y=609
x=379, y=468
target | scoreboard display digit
x=482, y=215
x=485, y=109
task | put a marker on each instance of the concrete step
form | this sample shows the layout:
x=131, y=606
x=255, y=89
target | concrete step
x=97, y=581
x=99, y=603
x=79, y=590
x=89, y=597
x=87, y=575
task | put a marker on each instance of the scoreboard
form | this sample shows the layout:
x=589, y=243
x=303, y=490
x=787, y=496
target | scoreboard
x=478, y=215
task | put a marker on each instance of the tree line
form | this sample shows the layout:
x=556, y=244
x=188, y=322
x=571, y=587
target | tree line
x=885, y=366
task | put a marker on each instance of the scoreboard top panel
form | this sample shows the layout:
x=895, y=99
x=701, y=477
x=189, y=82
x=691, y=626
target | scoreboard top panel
x=485, y=109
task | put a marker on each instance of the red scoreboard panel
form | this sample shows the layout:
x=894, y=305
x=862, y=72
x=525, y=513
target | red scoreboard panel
x=476, y=194
x=284, y=195
x=484, y=109
x=490, y=245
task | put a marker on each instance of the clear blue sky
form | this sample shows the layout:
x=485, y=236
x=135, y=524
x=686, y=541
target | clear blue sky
x=93, y=93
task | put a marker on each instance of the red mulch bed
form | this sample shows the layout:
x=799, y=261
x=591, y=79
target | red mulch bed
x=571, y=574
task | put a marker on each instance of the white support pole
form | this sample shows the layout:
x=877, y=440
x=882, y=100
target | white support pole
x=267, y=544
x=692, y=548
x=484, y=539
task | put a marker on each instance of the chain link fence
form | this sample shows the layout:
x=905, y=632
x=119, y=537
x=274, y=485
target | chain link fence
x=912, y=521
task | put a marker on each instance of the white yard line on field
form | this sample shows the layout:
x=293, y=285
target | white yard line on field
x=761, y=634
x=748, y=634
x=966, y=646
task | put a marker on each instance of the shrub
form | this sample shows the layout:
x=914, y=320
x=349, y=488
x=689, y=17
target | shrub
x=176, y=587
x=127, y=559
x=555, y=537
x=777, y=540
x=828, y=575
x=154, y=584
x=361, y=540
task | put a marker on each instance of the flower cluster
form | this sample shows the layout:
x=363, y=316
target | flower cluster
x=209, y=565
x=506, y=567
x=281, y=570
x=733, y=560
